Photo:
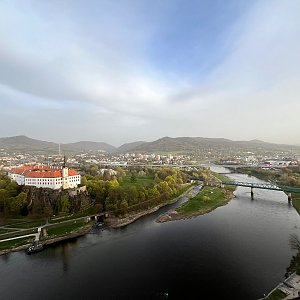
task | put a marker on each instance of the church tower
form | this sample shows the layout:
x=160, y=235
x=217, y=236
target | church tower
x=65, y=175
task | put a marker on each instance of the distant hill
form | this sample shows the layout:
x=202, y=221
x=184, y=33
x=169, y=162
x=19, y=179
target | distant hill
x=25, y=144
x=196, y=144
x=129, y=146
x=88, y=146
x=166, y=144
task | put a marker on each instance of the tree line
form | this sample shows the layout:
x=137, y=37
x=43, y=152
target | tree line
x=134, y=189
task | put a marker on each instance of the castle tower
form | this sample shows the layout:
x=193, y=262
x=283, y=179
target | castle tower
x=65, y=175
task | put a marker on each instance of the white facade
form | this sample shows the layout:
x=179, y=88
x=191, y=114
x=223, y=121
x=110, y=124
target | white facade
x=46, y=178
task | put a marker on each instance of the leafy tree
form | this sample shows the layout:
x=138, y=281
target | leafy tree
x=133, y=178
x=123, y=207
x=64, y=204
x=16, y=204
x=12, y=189
x=83, y=180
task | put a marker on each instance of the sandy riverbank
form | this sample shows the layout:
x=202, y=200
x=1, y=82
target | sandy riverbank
x=174, y=215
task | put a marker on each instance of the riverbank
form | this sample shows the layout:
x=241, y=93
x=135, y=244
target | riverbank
x=50, y=240
x=112, y=222
x=206, y=201
x=115, y=222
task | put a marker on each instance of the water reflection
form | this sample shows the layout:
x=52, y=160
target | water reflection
x=5, y=257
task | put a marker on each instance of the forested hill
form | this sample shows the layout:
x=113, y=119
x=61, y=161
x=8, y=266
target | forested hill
x=194, y=144
x=166, y=144
x=25, y=144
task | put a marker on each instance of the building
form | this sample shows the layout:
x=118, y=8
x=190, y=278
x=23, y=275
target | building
x=46, y=176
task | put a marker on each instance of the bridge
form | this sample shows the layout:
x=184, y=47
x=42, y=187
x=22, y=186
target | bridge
x=252, y=185
x=265, y=186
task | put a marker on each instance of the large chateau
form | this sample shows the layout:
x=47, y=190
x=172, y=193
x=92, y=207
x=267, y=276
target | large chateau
x=46, y=176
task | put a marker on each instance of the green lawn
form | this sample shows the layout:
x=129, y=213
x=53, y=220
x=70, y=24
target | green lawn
x=207, y=200
x=27, y=225
x=6, y=230
x=90, y=211
x=296, y=201
x=139, y=180
x=15, y=243
x=276, y=295
x=65, y=229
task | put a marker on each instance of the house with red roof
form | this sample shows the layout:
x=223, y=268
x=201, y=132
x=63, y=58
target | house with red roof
x=45, y=176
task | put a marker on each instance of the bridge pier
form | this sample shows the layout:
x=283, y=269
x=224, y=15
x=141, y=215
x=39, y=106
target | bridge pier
x=252, y=193
x=289, y=197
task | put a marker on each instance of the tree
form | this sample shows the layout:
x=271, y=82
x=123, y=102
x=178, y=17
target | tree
x=164, y=189
x=16, y=204
x=294, y=242
x=83, y=180
x=133, y=178
x=123, y=207
x=133, y=195
x=205, y=198
x=64, y=204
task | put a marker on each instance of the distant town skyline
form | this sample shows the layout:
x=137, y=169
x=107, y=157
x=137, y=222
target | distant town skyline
x=124, y=71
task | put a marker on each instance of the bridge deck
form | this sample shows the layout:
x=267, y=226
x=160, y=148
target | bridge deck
x=265, y=186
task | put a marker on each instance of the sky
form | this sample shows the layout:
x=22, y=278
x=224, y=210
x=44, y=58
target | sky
x=120, y=71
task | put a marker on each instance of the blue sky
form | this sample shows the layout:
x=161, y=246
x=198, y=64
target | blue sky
x=120, y=71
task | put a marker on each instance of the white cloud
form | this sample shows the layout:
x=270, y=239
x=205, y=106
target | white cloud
x=51, y=63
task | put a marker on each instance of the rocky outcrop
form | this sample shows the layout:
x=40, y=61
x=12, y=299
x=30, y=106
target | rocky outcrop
x=46, y=202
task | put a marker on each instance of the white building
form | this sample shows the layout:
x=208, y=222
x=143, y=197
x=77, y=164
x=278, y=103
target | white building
x=45, y=177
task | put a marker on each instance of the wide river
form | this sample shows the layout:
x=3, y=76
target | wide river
x=238, y=251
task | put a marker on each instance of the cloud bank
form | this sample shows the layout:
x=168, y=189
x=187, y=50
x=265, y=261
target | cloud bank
x=139, y=70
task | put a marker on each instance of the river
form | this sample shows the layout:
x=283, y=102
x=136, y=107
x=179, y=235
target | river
x=238, y=251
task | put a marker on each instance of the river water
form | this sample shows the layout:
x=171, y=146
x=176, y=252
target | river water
x=238, y=251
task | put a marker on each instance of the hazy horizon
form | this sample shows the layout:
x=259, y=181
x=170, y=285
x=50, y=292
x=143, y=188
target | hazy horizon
x=118, y=145
x=124, y=71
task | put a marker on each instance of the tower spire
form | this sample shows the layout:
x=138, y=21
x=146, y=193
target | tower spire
x=65, y=162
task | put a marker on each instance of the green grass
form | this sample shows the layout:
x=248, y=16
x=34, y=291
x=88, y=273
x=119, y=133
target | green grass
x=296, y=201
x=140, y=180
x=17, y=233
x=207, y=200
x=62, y=230
x=90, y=211
x=27, y=225
x=15, y=243
x=6, y=230
x=276, y=295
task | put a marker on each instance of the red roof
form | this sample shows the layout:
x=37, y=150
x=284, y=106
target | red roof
x=41, y=172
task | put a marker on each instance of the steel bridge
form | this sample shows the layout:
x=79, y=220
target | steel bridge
x=265, y=186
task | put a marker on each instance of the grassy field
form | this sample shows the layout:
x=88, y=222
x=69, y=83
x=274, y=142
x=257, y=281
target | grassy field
x=207, y=200
x=90, y=211
x=139, y=180
x=296, y=201
x=6, y=230
x=27, y=225
x=276, y=295
x=15, y=243
x=64, y=229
